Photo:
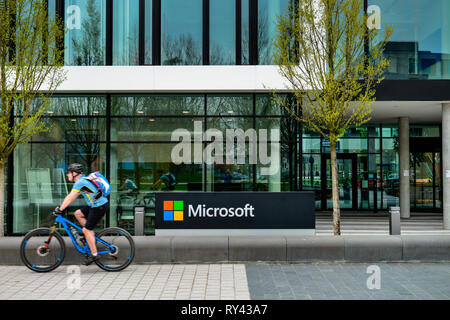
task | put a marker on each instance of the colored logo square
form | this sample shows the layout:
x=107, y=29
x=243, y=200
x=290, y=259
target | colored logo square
x=178, y=205
x=168, y=215
x=178, y=216
x=168, y=205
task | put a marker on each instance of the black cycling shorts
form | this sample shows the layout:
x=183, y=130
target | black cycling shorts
x=94, y=215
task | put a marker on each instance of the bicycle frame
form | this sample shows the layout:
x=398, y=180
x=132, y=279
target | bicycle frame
x=65, y=223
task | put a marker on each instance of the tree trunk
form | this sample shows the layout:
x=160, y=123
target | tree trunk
x=2, y=199
x=335, y=188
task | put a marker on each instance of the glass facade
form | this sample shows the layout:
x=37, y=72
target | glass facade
x=420, y=45
x=135, y=141
x=130, y=138
x=368, y=166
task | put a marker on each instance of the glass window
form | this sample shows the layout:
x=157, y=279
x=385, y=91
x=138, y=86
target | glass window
x=181, y=32
x=151, y=129
x=267, y=105
x=424, y=131
x=126, y=32
x=389, y=131
x=363, y=131
x=78, y=129
x=140, y=170
x=390, y=144
x=222, y=124
x=276, y=175
x=231, y=175
x=77, y=106
x=369, y=185
x=311, y=145
x=163, y=105
x=391, y=182
x=222, y=32
x=311, y=180
x=419, y=47
x=268, y=11
x=351, y=145
x=85, y=40
x=148, y=32
x=74, y=118
x=227, y=105
x=286, y=128
x=40, y=182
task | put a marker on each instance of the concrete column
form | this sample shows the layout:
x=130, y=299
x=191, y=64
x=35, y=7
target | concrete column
x=446, y=163
x=404, y=173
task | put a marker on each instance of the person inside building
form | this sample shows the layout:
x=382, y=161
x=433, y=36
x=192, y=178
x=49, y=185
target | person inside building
x=130, y=188
x=166, y=182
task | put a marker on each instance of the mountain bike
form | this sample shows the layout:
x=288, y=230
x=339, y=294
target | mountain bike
x=43, y=249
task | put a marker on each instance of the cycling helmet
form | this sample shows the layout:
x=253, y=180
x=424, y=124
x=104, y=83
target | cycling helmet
x=75, y=167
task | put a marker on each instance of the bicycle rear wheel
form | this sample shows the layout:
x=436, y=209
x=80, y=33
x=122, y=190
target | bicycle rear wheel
x=123, y=253
x=37, y=255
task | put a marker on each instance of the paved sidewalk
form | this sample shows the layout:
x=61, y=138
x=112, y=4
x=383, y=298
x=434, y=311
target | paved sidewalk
x=137, y=282
x=341, y=281
x=398, y=281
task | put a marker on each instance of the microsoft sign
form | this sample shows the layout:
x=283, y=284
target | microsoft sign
x=235, y=213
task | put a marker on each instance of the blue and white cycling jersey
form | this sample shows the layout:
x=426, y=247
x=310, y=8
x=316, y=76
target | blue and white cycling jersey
x=89, y=192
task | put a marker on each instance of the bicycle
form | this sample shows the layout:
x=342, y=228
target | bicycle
x=39, y=253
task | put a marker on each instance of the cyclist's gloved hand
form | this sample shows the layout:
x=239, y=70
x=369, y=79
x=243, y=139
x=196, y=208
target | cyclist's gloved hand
x=57, y=212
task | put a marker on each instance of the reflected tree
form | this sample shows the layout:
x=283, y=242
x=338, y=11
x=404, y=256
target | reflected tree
x=89, y=50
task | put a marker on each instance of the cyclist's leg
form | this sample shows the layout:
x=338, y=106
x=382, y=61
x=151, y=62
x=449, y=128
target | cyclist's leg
x=94, y=216
x=81, y=215
x=89, y=235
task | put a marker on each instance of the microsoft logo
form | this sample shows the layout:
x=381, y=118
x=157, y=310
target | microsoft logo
x=173, y=210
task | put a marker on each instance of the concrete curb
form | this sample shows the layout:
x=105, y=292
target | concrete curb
x=290, y=249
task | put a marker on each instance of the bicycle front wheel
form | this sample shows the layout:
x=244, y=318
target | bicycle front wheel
x=40, y=255
x=123, y=253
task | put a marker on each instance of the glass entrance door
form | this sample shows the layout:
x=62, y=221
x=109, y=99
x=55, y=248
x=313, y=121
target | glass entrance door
x=347, y=181
x=425, y=180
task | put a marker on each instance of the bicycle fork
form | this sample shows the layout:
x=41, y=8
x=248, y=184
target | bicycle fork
x=47, y=243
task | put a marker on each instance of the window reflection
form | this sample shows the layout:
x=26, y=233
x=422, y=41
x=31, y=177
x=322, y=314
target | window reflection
x=126, y=32
x=420, y=45
x=181, y=32
x=85, y=40
x=140, y=170
x=222, y=32
x=40, y=183
x=268, y=11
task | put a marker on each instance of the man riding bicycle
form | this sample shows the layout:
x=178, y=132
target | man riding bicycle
x=90, y=215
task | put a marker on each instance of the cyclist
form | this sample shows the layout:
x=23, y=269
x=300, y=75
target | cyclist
x=90, y=215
